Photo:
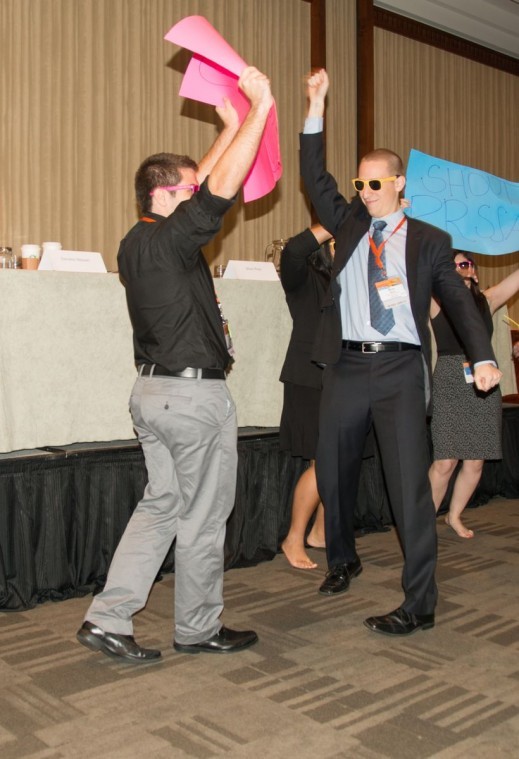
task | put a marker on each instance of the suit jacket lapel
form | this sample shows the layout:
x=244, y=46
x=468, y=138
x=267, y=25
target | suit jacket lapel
x=350, y=235
x=412, y=249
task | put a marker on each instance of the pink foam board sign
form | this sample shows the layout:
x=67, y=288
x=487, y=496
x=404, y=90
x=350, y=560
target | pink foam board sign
x=213, y=74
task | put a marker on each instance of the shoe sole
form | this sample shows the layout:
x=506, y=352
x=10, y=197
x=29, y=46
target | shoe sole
x=185, y=648
x=338, y=592
x=427, y=626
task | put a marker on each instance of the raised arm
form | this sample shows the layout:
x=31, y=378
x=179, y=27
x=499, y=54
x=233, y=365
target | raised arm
x=330, y=206
x=499, y=294
x=293, y=268
x=231, y=124
x=317, y=85
x=233, y=165
x=320, y=233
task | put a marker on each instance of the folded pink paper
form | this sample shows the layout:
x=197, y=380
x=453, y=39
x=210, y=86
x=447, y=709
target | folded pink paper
x=195, y=33
x=213, y=74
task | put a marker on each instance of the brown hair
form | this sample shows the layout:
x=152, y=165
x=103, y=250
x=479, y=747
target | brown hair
x=159, y=170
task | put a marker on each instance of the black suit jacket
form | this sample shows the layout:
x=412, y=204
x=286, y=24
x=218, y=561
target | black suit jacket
x=429, y=266
x=304, y=289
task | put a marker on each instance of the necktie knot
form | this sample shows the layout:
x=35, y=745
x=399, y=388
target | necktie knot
x=378, y=226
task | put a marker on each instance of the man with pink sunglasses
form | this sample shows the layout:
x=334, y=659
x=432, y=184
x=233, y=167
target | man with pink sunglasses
x=181, y=408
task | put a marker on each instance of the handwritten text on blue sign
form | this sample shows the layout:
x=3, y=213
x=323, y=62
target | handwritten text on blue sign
x=479, y=210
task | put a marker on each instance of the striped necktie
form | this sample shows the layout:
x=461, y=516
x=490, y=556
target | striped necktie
x=381, y=318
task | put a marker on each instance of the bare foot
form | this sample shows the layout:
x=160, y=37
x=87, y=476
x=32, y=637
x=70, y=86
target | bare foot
x=296, y=555
x=458, y=527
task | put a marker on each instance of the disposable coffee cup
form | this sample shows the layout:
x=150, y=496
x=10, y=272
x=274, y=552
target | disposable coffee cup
x=30, y=256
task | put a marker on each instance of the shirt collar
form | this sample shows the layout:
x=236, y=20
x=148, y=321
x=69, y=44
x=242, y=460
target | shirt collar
x=152, y=215
x=392, y=220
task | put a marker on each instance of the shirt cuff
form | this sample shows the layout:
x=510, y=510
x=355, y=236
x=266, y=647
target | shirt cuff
x=313, y=125
x=478, y=363
x=213, y=204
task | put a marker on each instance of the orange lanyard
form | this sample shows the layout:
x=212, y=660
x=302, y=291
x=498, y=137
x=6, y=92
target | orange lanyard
x=152, y=221
x=377, y=252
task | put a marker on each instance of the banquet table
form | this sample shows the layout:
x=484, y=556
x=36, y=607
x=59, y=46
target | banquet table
x=66, y=356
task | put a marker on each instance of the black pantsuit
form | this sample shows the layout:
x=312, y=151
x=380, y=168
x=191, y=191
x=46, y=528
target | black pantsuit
x=380, y=388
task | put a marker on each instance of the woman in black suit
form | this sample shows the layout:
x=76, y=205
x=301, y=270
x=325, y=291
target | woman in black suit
x=305, y=275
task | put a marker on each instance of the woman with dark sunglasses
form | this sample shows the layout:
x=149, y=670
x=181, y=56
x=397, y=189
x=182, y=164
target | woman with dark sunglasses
x=466, y=423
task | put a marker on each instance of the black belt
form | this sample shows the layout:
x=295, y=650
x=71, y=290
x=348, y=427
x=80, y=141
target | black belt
x=372, y=346
x=145, y=370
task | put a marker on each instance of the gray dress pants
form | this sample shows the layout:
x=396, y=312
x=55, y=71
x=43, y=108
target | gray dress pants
x=188, y=432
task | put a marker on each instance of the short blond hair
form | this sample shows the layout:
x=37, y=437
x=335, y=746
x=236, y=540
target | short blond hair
x=394, y=162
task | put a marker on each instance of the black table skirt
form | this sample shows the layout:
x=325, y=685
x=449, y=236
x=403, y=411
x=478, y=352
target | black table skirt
x=63, y=513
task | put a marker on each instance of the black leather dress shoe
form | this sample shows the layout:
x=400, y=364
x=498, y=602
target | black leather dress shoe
x=400, y=622
x=224, y=642
x=117, y=646
x=338, y=578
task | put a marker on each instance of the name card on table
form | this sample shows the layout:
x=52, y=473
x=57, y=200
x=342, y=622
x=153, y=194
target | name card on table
x=264, y=270
x=72, y=260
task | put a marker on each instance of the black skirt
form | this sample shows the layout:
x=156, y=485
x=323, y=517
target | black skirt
x=466, y=423
x=299, y=426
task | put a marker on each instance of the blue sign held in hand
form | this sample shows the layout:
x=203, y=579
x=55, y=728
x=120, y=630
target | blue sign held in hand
x=479, y=210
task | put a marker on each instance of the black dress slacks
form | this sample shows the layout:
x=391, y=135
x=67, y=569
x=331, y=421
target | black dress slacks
x=386, y=389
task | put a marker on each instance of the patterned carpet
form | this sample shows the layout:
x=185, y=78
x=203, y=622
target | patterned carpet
x=318, y=684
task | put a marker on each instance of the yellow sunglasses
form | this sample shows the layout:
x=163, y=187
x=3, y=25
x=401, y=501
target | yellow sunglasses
x=374, y=184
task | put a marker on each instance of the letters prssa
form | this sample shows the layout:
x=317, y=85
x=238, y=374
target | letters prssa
x=467, y=203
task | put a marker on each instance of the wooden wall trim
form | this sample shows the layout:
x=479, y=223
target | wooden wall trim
x=318, y=34
x=317, y=51
x=415, y=30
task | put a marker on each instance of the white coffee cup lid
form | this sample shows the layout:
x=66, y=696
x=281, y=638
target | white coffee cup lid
x=30, y=251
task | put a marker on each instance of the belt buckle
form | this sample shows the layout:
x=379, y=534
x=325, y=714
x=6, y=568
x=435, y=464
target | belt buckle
x=369, y=342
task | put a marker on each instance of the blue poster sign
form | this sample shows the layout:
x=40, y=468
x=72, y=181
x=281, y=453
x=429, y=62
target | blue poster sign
x=479, y=210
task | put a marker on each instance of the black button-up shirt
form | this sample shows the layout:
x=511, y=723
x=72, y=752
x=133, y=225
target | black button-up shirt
x=169, y=288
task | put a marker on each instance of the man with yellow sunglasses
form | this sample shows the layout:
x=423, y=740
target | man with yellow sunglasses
x=374, y=342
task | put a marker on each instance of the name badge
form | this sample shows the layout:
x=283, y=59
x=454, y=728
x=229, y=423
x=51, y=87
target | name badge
x=467, y=371
x=392, y=292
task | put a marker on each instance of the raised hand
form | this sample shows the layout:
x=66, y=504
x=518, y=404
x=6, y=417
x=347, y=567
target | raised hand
x=317, y=84
x=256, y=86
x=228, y=114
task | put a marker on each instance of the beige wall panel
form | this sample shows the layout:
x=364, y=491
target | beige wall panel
x=341, y=135
x=453, y=108
x=88, y=88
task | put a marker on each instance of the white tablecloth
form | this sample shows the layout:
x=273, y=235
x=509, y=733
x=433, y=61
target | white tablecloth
x=66, y=356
